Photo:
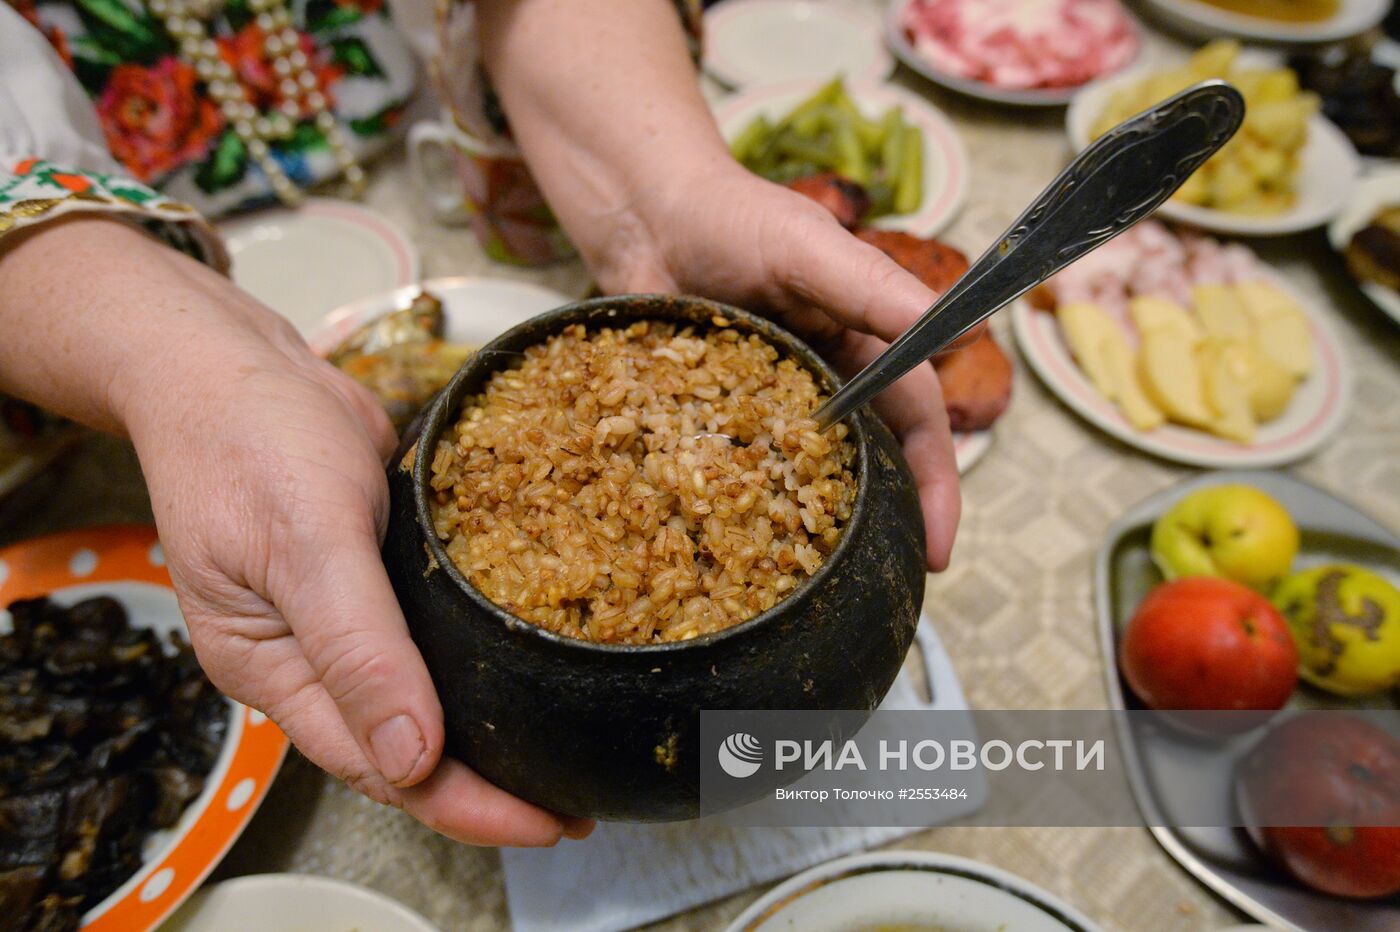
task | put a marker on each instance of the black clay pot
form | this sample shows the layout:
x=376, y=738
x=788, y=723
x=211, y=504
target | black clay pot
x=611, y=732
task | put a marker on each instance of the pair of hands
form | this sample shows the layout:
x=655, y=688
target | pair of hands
x=266, y=465
x=270, y=493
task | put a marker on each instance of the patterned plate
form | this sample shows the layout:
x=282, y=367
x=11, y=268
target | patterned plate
x=1316, y=410
x=127, y=563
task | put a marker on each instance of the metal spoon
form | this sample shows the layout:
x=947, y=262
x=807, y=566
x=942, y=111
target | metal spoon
x=1117, y=181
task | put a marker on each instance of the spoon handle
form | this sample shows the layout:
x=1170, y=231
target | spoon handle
x=1118, y=180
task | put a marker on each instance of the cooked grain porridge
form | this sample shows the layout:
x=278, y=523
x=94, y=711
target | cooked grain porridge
x=580, y=491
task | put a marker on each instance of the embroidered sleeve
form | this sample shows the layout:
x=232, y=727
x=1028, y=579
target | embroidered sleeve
x=53, y=158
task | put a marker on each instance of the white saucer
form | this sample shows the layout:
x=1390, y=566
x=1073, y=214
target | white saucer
x=749, y=42
x=308, y=261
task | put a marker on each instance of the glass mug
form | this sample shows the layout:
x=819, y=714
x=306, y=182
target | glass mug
x=488, y=188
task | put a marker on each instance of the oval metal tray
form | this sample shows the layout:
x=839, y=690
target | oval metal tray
x=1223, y=858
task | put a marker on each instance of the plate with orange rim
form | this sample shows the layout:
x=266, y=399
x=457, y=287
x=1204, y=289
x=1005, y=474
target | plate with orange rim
x=127, y=563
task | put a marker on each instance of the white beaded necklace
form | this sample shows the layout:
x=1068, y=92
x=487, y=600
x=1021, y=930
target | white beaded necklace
x=301, y=95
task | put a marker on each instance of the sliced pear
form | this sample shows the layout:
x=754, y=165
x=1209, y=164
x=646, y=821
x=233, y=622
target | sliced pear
x=1153, y=312
x=1085, y=326
x=1220, y=312
x=1171, y=376
x=1226, y=394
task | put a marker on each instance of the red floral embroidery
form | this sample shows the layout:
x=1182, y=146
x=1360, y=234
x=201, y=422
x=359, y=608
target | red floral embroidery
x=155, y=119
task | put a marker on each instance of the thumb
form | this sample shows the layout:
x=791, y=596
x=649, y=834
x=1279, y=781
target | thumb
x=342, y=610
x=854, y=283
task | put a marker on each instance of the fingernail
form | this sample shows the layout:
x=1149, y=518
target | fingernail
x=397, y=745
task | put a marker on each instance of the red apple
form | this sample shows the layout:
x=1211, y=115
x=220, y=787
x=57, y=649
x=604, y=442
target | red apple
x=1333, y=780
x=1207, y=643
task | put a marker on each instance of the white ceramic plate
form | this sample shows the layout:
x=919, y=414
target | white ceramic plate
x=293, y=903
x=307, y=261
x=946, y=166
x=1026, y=97
x=1326, y=174
x=476, y=309
x=922, y=889
x=128, y=564
x=1316, y=410
x=750, y=42
x=1370, y=196
x=1204, y=21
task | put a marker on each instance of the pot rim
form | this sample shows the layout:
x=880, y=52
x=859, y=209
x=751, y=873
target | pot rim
x=435, y=422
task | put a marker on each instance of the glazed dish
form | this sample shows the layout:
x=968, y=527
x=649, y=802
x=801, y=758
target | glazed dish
x=1020, y=45
x=402, y=357
x=1255, y=172
x=594, y=489
x=109, y=733
x=1183, y=328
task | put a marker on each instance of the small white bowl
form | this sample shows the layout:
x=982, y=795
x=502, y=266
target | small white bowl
x=1372, y=194
x=909, y=887
x=293, y=903
x=1326, y=175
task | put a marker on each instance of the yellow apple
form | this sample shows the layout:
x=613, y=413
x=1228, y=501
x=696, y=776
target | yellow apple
x=1170, y=376
x=1236, y=531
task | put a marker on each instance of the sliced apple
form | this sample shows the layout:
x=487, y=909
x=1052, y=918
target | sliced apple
x=1221, y=313
x=1281, y=330
x=1226, y=394
x=1171, y=376
x=1141, y=413
x=1154, y=312
x=1085, y=326
x=1287, y=340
